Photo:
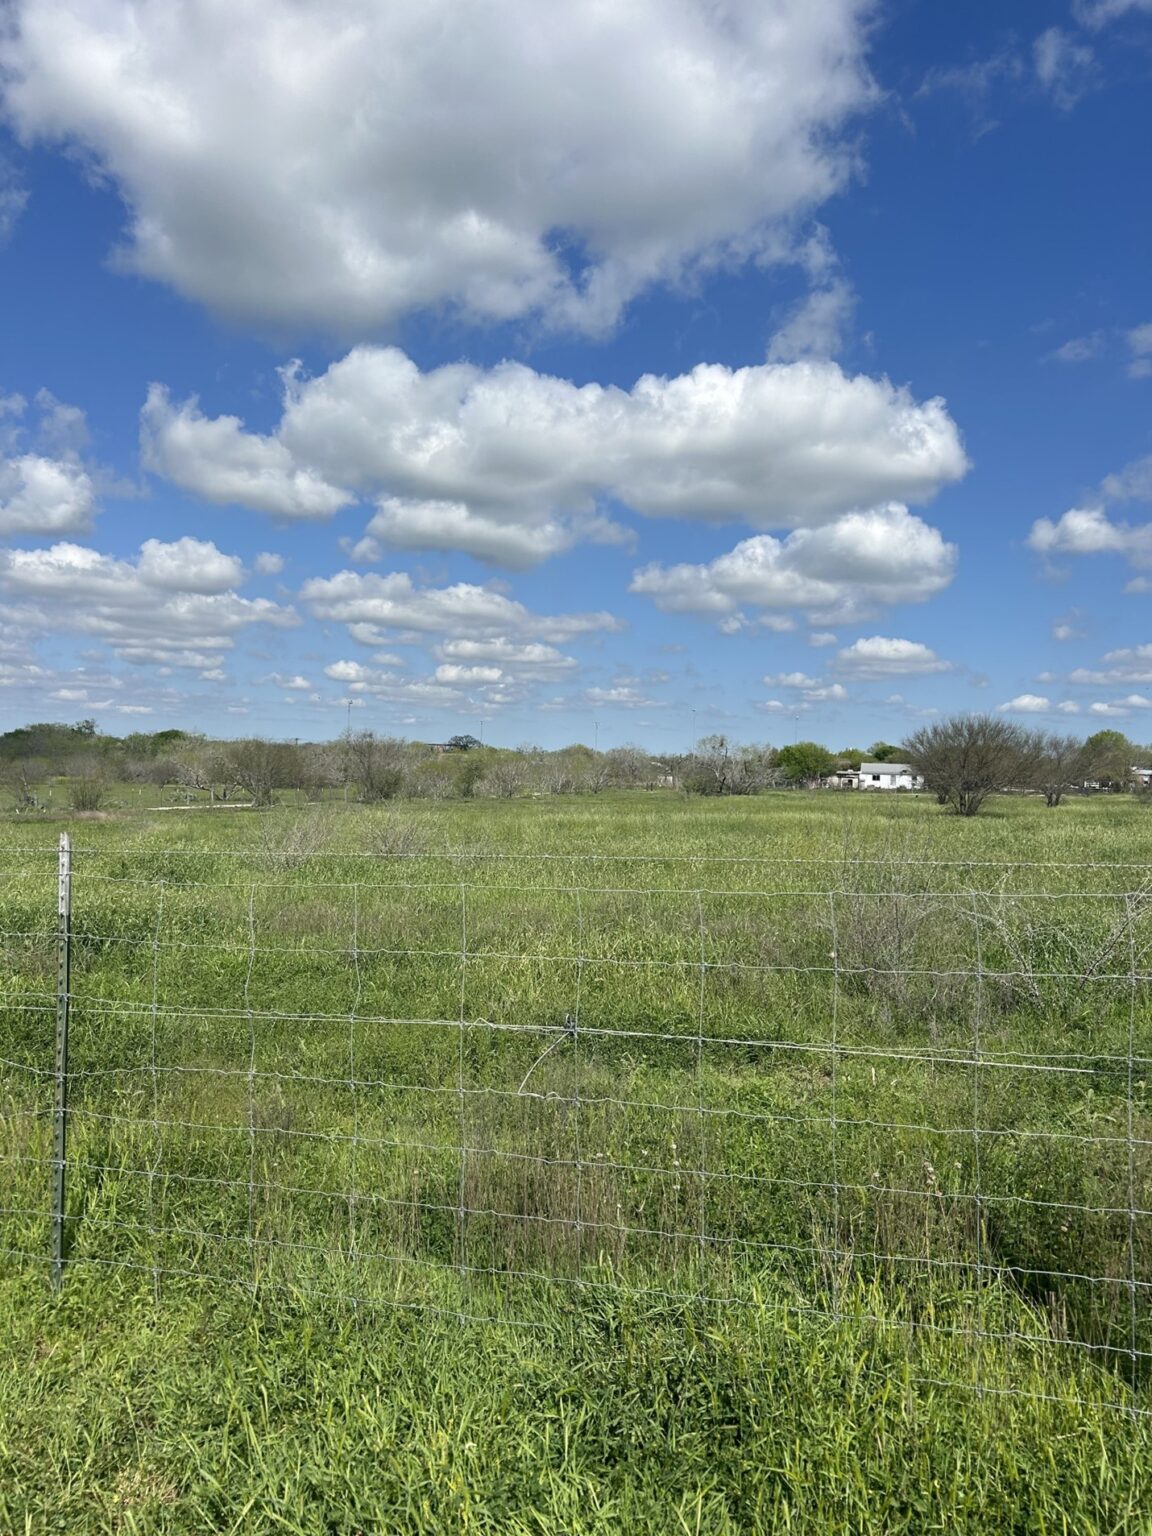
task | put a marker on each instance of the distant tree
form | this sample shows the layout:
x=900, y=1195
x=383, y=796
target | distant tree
x=710, y=768
x=570, y=771
x=627, y=767
x=1109, y=756
x=261, y=767
x=21, y=778
x=1059, y=764
x=805, y=762
x=463, y=743
x=852, y=757
x=469, y=773
x=965, y=758
x=506, y=775
x=883, y=752
x=376, y=765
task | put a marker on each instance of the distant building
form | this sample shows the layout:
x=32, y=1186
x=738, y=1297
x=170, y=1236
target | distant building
x=888, y=776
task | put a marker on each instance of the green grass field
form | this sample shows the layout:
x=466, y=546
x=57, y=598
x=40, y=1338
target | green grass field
x=616, y=1164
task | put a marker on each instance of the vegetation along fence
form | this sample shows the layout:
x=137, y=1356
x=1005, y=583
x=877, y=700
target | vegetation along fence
x=912, y=1093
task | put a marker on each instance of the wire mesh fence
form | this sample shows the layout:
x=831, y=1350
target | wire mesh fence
x=911, y=1091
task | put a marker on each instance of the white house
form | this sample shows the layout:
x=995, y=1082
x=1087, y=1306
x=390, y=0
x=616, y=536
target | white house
x=888, y=776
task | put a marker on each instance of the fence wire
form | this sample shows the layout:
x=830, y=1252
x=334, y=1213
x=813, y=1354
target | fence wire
x=475, y=1084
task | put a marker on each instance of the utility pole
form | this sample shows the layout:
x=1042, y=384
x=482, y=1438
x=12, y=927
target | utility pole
x=595, y=735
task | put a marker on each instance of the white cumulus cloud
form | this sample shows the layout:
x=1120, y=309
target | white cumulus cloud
x=850, y=567
x=377, y=604
x=885, y=656
x=174, y=605
x=513, y=466
x=341, y=165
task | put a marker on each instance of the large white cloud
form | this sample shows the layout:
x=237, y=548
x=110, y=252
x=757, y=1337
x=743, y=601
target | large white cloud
x=174, y=605
x=341, y=164
x=849, y=568
x=512, y=465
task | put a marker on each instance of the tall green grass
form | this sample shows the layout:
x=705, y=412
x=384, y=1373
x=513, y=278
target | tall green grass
x=772, y=1164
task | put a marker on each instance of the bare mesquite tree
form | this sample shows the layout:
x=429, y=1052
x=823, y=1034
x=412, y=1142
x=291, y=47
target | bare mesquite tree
x=262, y=767
x=966, y=758
x=1060, y=763
x=376, y=765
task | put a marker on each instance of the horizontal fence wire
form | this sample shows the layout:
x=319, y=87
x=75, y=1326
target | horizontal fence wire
x=467, y=1094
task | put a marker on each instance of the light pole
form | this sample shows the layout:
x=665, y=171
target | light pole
x=482, y=732
x=595, y=735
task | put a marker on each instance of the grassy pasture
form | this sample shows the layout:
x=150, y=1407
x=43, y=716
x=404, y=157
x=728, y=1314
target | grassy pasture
x=623, y=1163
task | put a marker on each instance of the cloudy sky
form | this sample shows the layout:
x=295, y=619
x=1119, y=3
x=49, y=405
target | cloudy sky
x=624, y=372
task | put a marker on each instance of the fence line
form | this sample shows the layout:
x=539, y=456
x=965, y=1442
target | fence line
x=682, y=1095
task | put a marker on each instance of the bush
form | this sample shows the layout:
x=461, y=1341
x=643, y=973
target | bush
x=87, y=794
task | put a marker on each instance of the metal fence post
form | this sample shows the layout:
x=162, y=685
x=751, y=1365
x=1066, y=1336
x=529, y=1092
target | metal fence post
x=63, y=1001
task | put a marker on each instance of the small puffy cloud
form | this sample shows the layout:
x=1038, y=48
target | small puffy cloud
x=188, y=565
x=862, y=561
x=1090, y=531
x=268, y=564
x=293, y=684
x=1026, y=704
x=44, y=496
x=831, y=693
x=46, y=488
x=513, y=466
x=454, y=672
x=1065, y=67
x=883, y=656
x=508, y=160
x=791, y=680
x=821, y=638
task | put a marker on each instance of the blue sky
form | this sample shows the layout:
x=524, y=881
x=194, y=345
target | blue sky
x=772, y=366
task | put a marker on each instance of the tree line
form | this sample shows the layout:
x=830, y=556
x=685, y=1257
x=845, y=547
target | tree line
x=962, y=760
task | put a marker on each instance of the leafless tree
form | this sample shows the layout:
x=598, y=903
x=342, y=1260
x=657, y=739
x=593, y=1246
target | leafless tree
x=261, y=767
x=965, y=758
x=1059, y=764
x=376, y=765
x=506, y=775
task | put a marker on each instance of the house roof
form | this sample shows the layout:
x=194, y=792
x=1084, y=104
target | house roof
x=885, y=768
